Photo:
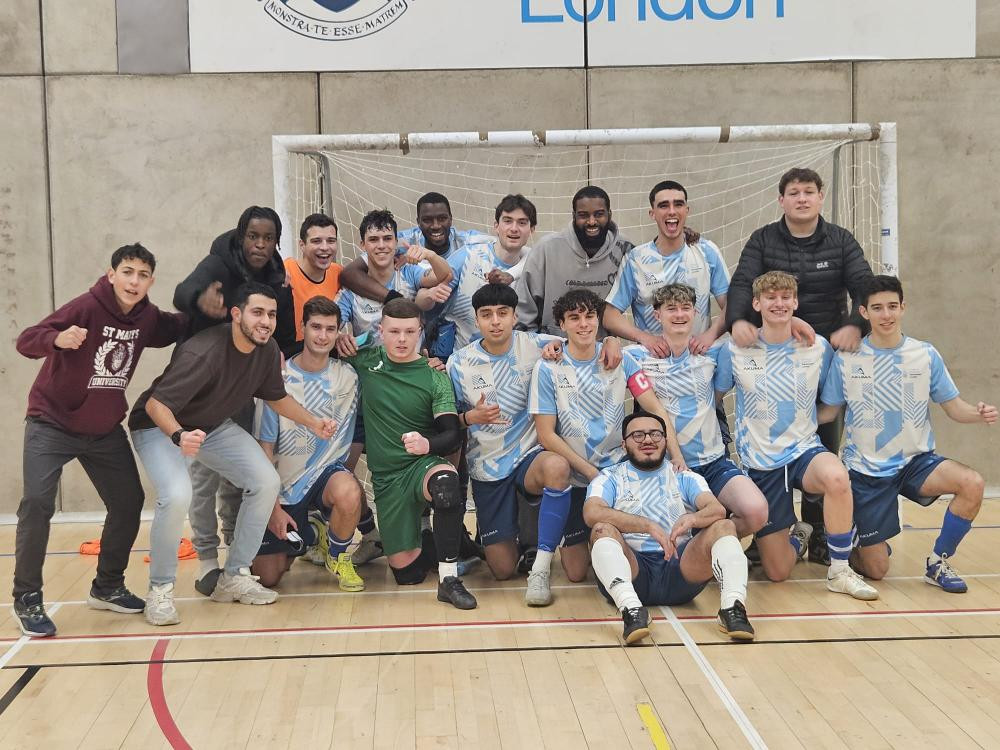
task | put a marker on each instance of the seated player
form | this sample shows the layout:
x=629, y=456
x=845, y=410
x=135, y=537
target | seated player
x=683, y=382
x=888, y=385
x=643, y=514
x=91, y=347
x=313, y=472
x=777, y=381
x=410, y=424
x=674, y=256
x=491, y=377
x=496, y=260
x=378, y=242
x=578, y=407
x=316, y=271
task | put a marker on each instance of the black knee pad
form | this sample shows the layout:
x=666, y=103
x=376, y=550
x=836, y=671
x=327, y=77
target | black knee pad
x=412, y=574
x=445, y=491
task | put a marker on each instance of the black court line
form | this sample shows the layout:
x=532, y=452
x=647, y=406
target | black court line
x=503, y=650
x=17, y=687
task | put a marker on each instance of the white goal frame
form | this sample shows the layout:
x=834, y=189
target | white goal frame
x=284, y=146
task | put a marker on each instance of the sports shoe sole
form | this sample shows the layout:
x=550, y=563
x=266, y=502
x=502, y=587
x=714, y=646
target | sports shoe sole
x=736, y=635
x=168, y=620
x=636, y=635
x=94, y=603
x=32, y=634
x=933, y=582
x=225, y=598
x=863, y=596
x=532, y=602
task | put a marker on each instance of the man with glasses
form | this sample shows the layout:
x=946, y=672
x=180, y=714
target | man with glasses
x=642, y=514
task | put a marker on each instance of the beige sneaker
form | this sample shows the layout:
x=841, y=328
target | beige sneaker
x=242, y=588
x=539, y=592
x=160, y=609
x=846, y=581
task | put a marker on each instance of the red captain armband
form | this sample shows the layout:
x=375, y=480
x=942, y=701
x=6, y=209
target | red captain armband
x=638, y=384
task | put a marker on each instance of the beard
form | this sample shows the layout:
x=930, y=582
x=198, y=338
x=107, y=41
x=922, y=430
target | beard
x=248, y=332
x=591, y=244
x=647, y=463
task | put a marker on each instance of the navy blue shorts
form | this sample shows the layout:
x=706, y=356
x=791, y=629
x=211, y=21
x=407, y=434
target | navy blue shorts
x=717, y=473
x=776, y=485
x=876, y=513
x=299, y=512
x=660, y=581
x=497, y=507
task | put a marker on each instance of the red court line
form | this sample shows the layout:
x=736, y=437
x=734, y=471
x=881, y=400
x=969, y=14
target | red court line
x=158, y=701
x=492, y=623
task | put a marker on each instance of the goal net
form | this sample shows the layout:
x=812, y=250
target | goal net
x=731, y=175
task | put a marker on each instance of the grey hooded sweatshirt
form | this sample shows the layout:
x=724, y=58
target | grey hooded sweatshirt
x=558, y=264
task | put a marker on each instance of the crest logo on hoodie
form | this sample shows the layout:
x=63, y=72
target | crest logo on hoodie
x=335, y=20
x=111, y=364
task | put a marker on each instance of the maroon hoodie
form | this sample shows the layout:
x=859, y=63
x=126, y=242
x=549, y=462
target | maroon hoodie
x=83, y=390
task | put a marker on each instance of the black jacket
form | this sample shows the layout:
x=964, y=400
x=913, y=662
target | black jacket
x=828, y=267
x=225, y=262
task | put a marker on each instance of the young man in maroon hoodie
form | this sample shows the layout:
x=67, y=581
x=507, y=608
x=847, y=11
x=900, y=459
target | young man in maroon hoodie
x=91, y=346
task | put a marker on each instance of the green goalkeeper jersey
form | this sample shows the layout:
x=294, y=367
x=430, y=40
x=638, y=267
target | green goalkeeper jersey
x=396, y=398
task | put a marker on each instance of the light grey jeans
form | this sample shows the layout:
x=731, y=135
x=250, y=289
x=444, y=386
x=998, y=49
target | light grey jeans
x=228, y=450
x=205, y=485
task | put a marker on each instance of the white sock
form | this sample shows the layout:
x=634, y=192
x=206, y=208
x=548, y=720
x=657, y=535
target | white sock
x=836, y=566
x=612, y=569
x=425, y=524
x=446, y=569
x=543, y=561
x=207, y=566
x=730, y=567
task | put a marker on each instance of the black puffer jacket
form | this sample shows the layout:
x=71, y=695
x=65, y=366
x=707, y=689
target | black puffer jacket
x=225, y=263
x=828, y=268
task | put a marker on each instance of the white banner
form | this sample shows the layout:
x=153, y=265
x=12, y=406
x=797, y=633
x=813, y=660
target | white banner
x=319, y=35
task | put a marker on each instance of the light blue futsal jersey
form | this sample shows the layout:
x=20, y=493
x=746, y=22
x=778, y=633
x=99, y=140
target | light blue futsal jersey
x=365, y=314
x=888, y=394
x=661, y=495
x=495, y=450
x=776, y=390
x=685, y=386
x=301, y=456
x=588, y=403
x=645, y=269
x=470, y=266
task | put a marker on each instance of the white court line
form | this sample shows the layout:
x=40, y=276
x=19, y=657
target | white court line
x=23, y=641
x=741, y=719
x=445, y=627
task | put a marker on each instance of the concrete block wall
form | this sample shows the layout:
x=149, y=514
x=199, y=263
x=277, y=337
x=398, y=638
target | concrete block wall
x=94, y=157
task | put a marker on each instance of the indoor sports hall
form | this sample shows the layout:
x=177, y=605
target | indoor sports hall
x=159, y=121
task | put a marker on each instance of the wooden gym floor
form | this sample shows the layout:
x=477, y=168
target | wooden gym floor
x=392, y=667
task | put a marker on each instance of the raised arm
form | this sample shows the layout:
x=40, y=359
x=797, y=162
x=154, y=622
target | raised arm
x=291, y=409
x=962, y=411
x=354, y=276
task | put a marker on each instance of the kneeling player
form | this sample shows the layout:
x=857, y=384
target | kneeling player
x=888, y=385
x=410, y=422
x=492, y=378
x=777, y=381
x=643, y=514
x=312, y=471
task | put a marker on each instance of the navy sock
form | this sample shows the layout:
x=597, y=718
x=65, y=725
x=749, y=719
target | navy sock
x=840, y=544
x=366, y=524
x=953, y=530
x=337, y=545
x=552, y=517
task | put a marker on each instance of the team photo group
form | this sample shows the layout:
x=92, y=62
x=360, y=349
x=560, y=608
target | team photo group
x=569, y=388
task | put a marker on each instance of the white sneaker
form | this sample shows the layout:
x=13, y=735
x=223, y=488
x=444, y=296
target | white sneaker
x=160, y=609
x=802, y=531
x=846, y=581
x=242, y=588
x=538, y=593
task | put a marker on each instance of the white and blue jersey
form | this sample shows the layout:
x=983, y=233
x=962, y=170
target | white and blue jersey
x=888, y=394
x=365, y=314
x=661, y=495
x=300, y=455
x=645, y=269
x=495, y=450
x=685, y=386
x=776, y=390
x=588, y=403
x=470, y=266
x=456, y=238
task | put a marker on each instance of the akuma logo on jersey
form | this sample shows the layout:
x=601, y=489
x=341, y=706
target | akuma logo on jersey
x=335, y=20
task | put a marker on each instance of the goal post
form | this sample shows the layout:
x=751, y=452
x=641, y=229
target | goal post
x=731, y=174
